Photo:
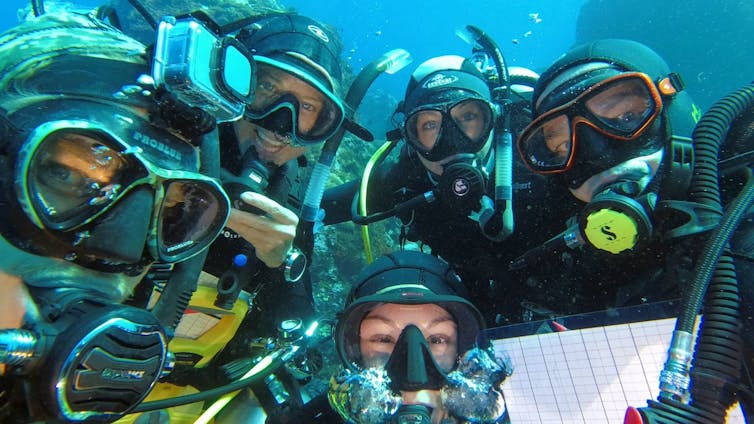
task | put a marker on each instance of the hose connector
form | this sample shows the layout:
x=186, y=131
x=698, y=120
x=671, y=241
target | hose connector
x=674, y=377
x=17, y=347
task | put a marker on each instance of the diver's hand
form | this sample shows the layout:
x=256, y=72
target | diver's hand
x=271, y=234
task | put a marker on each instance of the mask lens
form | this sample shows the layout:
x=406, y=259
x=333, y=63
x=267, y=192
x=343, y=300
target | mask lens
x=623, y=106
x=378, y=338
x=474, y=119
x=190, y=217
x=546, y=146
x=620, y=108
x=74, y=176
x=471, y=118
x=423, y=129
x=315, y=115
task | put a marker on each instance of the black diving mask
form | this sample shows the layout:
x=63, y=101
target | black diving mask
x=293, y=104
x=71, y=175
x=438, y=131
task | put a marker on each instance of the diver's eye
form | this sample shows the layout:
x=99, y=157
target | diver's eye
x=437, y=339
x=382, y=339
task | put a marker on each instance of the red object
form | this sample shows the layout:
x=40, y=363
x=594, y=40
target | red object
x=558, y=326
x=633, y=416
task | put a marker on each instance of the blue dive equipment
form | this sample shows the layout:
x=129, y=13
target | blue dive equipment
x=496, y=224
x=390, y=62
x=703, y=393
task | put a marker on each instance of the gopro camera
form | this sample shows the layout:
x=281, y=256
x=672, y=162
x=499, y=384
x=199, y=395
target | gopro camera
x=202, y=69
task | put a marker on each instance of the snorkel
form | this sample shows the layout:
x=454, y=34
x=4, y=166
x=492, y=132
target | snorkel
x=390, y=62
x=497, y=223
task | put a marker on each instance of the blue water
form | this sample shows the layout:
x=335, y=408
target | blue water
x=428, y=29
x=708, y=41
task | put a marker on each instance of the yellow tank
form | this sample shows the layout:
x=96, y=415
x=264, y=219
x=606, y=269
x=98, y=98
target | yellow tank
x=202, y=333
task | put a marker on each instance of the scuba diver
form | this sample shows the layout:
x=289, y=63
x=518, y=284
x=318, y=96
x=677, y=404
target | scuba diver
x=296, y=106
x=442, y=183
x=100, y=178
x=656, y=215
x=407, y=340
x=611, y=128
x=188, y=219
x=255, y=286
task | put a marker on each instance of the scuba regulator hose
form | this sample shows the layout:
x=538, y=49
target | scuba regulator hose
x=224, y=394
x=713, y=386
x=374, y=161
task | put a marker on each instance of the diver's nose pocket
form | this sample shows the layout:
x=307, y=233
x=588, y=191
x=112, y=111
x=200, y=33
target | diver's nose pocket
x=411, y=365
x=121, y=234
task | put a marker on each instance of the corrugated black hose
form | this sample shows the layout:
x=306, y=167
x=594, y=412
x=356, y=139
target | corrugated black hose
x=717, y=359
x=718, y=353
x=183, y=280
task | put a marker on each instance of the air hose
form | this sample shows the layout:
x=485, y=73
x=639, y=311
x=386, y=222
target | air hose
x=374, y=161
x=38, y=7
x=264, y=368
x=717, y=359
x=708, y=136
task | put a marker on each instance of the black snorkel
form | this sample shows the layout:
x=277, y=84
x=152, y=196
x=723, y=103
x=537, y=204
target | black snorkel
x=38, y=7
x=497, y=223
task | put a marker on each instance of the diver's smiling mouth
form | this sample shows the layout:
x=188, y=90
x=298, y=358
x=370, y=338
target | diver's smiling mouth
x=270, y=141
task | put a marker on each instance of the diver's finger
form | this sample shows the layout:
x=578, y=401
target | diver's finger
x=271, y=208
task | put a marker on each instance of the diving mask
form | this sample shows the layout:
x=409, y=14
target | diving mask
x=70, y=173
x=293, y=104
x=620, y=108
x=438, y=131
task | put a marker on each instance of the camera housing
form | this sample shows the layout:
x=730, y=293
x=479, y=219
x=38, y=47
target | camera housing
x=254, y=177
x=203, y=69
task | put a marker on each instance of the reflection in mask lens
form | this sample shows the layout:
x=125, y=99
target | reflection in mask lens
x=549, y=145
x=74, y=177
x=189, y=214
x=473, y=119
x=623, y=106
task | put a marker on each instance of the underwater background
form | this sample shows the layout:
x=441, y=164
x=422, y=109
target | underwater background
x=707, y=41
